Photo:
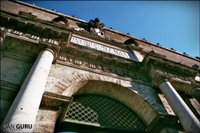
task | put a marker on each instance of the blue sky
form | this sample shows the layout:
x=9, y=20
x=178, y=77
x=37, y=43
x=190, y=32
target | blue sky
x=172, y=24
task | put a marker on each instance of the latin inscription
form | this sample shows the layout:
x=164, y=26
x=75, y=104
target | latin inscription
x=99, y=47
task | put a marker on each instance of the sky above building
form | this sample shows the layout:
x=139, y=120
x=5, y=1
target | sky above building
x=172, y=24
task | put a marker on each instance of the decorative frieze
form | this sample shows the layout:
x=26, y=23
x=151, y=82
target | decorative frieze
x=30, y=36
x=97, y=67
x=171, y=67
x=75, y=61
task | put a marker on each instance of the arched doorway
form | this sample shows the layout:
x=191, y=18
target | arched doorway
x=100, y=114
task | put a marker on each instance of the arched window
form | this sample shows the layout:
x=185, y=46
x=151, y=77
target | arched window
x=103, y=113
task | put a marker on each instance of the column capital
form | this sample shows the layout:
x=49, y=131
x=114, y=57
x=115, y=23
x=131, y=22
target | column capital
x=188, y=120
x=53, y=51
x=158, y=77
x=186, y=86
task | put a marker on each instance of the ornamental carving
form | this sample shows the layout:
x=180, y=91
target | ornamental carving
x=31, y=36
x=95, y=27
x=68, y=60
x=62, y=20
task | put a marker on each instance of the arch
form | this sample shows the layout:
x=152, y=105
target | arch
x=67, y=80
x=123, y=95
x=71, y=81
x=103, y=111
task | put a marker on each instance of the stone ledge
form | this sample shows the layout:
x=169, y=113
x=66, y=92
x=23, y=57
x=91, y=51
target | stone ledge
x=54, y=101
x=162, y=121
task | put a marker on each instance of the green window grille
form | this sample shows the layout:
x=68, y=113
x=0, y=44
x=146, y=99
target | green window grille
x=102, y=111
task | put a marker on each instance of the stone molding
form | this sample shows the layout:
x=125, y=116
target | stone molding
x=184, y=85
x=162, y=121
x=99, y=68
x=45, y=43
x=158, y=61
x=121, y=67
x=161, y=69
x=54, y=45
x=38, y=39
x=53, y=50
x=158, y=77
x=34, y=26
x=54, y=101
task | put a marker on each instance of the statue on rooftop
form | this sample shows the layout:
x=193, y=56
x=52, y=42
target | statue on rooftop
x=95, y=27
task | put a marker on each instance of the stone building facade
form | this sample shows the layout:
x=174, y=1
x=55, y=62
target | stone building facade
x=60, y=73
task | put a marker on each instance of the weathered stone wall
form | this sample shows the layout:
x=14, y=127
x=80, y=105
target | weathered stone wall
x=166, y=105
x=16, y=60
x=179, y=58
x=15, y=8
x=13, y=72
x=45, y=121
x=69, y=81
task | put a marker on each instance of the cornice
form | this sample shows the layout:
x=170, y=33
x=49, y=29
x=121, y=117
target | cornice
x=158, y=77
x=186, y=85
x=160, y=70
x=114, y=31
x=34, y=26
x=99, y=56
x=38, y=41
x=157, y=61
x=58, y=40
x=47, y=10
x=26, y=23
x=20, y=49
x=100, y=67
x=110, y=63
x=105, y=62
x=181, y=83
x=54, y=101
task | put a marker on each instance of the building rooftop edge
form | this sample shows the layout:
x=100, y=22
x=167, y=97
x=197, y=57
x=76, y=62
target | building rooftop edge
x=77, y=19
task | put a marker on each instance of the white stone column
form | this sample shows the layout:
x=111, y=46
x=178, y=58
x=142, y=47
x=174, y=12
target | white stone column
x=22, y=114
x=188, y=120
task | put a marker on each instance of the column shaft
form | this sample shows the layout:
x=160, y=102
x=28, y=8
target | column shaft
x=26, y=104
x=188, y=120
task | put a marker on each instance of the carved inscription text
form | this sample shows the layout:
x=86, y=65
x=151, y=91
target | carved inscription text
x=99, y=47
